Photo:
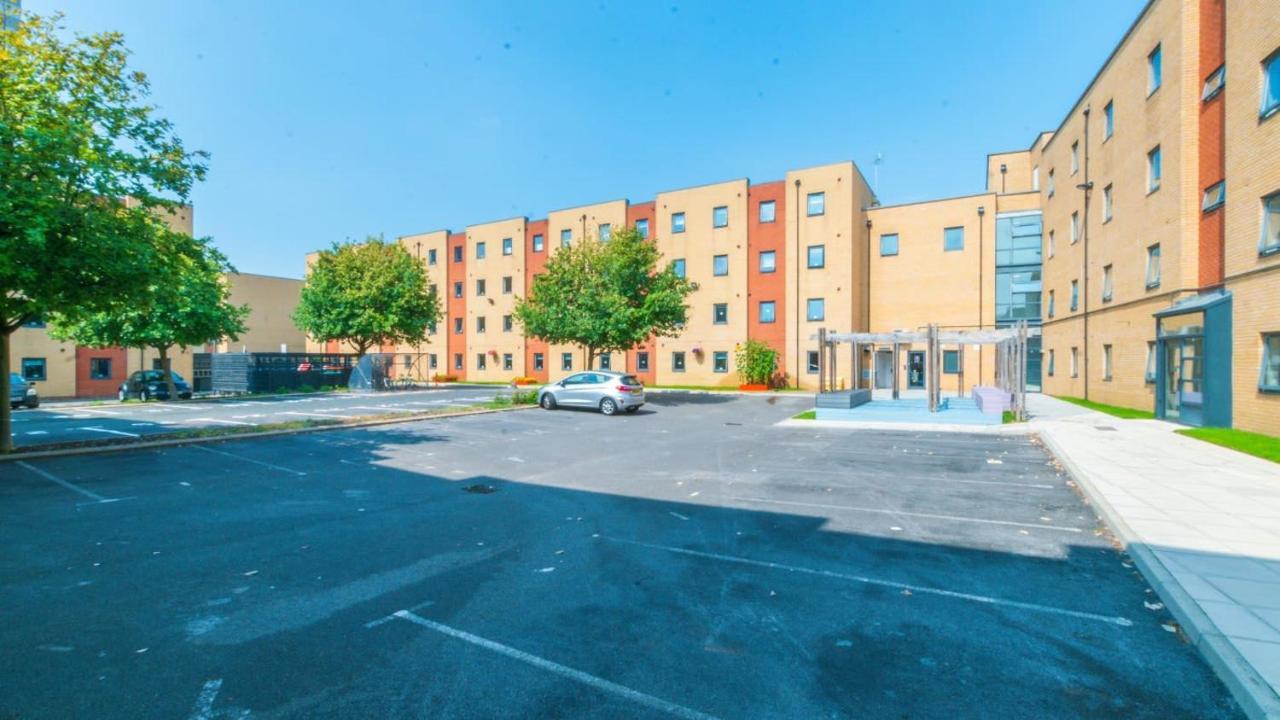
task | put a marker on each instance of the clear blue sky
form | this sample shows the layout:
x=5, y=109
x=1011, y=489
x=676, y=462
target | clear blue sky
x=329, y=120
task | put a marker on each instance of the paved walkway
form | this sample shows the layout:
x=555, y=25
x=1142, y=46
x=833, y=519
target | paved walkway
x=1203, y=524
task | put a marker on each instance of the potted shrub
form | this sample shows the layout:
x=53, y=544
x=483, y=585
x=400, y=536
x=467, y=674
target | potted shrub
x=756, y=363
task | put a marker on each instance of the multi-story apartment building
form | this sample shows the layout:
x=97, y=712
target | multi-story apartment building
x=1112, y=233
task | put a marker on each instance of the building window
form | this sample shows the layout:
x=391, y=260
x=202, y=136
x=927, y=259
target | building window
x=817, y=256
x=100, y=368
x=720, y=265
x=480, y=324
x=457, y=361
x=720, y=362
x=506, y=246
x=1153, y=266
x=1051, y=304
x=642, y=361
x=768, y=261
x=642, y=227
x=1109, y=116
x=431, y=256
x=811, y=362
x=1075, y=157
x=720, y=217
x=539, y=244
x=953, y=239
x=432, y=327
x=677, y=267
x=1075, y=295
x=566, y=361
x=481, y=362
x=768, y=211
x=1214, y=196
x=1214, y=83
x=506, y=284
x=479, y=251
x=1035, y=178
x=480, y=287
x=768, y=312
x=888, y=244
x=1270, y=241
x=457, y=326
x=1270, y=85
x=1051, y=249
x=677, y=362
x=566, y=237
x=507, y=363
x=1075, y=228
x=508, y=324
x=539, y=361
x=1269, y=378
x=1049, y=369
x=1153, y=169
x=1153, y=71
x=951, y=362
x=432, y=362
x=1107, y=204
x=457, y=253
x=35, y=323
x=815, y=310
x=1049, y=187
x=1106, y=362
x=1075, y=365
x=677, y=222
x=816, y=203
x=605, y=232
x=1150, y=374
x=720, y=313
x=606, y=361
x=457, y=289
x=1107, y=284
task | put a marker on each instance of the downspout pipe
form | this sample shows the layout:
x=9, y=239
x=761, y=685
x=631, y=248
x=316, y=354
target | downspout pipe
x=982, y=266
x=1087, y=187
x=799, y=327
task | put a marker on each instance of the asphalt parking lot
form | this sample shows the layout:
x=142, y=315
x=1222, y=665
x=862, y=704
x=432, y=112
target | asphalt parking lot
x=691, y=561
x=53, y=423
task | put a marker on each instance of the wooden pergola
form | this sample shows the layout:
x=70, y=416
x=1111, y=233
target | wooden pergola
x=1010, y=346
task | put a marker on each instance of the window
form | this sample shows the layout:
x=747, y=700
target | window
x=1018, y=292
x=605, y=232
x=480, y=287
x=1269, y=378
x=720, y=361
x=1109, y=116
x=508, y=324
x=1153, y=71
x=1214, y=83
x=480, y=324
x=1107, y=204
x=1075, y=365
x=506, y=246
x=36, y=322
x=566, y=361
x=720, y=265
x=433, y=328
x=457, y=253
x=1035, y=178
x=1051, y=304
x=1150, y=374
x=1052, y=244
x=1049, y=369
x=539, y=361
x=457, y=361
x=642, y=227
x=100, y=368
x=431, y=257
x=566, y=237
x=1214, y=196
x=817, y=203
x=1075, y=157
x=768, y=312
x=507, y=363
x=539, y=243
x=1050, y=186
x=953, y=239
x=720, y=313
x=677, y=222
x=1153, y=266
x=720, y=217
x=1270, y=85
x=457, y=289
x=479, y=251
x=815, y=309
x=888, y=244
x=951, y=362
x=768, y=261
x=1107, y=283
x=506, y=284
x=432, y=361
x=1153, y=169
x=677, y=267
x=817, y=256
x=768, y=211
x=811, y=362
x=1075, y=228
x=481, y=362
x=457, y=326
x=1075, y=295
x=677, y=362
x=1106, y=362
x=606, y=361
x=1270, y=241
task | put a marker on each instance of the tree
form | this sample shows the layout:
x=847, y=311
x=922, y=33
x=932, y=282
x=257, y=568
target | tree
x=367, y=294
x=185, y=302
x=605, y=296
x=85, y=166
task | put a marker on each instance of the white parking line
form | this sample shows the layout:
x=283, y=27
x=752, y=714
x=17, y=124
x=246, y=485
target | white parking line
x=59, y=481
x=984, y=599
x=99, y=412
x=111, y=432
x=281, y=468
x=579, y=676
x=216, y=420
x=36, y=432
x=904, y=513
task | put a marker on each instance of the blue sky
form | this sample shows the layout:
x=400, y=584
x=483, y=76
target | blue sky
x=328, y=120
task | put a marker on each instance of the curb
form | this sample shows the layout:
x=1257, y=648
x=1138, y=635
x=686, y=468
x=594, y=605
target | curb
x=728, y=391
x=1254, y=695
x=172, y=442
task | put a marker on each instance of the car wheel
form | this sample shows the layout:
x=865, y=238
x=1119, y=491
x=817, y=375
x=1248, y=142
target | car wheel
x=33, y=403
x=548, y=402
x=143, y=395
x=608, y=406
x=121, y=396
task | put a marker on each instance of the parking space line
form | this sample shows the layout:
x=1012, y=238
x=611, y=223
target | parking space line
x=311, y=414
x=905, y=513
x=112, y=432
x=579, y=676
x=983, y=599
x=99, y=412
x=59, y=481
x=247, y=459
x=216, y=420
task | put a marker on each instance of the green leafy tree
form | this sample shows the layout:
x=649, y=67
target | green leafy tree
x=756, y=362
x=367, y=294
x=605, y=296
x=85, y=167
x=185, y=302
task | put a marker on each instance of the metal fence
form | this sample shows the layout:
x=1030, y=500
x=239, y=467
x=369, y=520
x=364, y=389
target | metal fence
x=271, y=372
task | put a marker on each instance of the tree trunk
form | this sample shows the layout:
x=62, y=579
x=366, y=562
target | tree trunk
x=168, y=372
x=6, y=423
x=591, y=357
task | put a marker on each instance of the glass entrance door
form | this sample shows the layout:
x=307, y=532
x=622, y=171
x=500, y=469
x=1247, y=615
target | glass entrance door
x=915, y=369
x=1183, y=394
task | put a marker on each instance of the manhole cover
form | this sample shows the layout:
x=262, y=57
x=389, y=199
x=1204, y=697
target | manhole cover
x=480, y=489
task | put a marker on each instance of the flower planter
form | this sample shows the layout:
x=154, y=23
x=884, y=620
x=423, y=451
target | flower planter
x=753, y=387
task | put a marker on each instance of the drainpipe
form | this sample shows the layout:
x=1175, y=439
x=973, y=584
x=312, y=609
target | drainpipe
x=982, y=265
x=796, y=210
x=1087, y=187
x=857, y=360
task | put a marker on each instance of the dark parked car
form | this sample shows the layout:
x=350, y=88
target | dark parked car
x=22, y=392
x=150, y=385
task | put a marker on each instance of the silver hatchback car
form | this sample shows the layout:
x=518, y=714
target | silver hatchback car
x=604, y=390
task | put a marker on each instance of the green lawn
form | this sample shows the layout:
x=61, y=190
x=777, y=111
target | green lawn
x=1266, y=447
x=806, y=415
x=1116, y=410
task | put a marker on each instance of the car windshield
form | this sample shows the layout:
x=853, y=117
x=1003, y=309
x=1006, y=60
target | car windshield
x=630, y=380
x=16, y=380
x=158, y=375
